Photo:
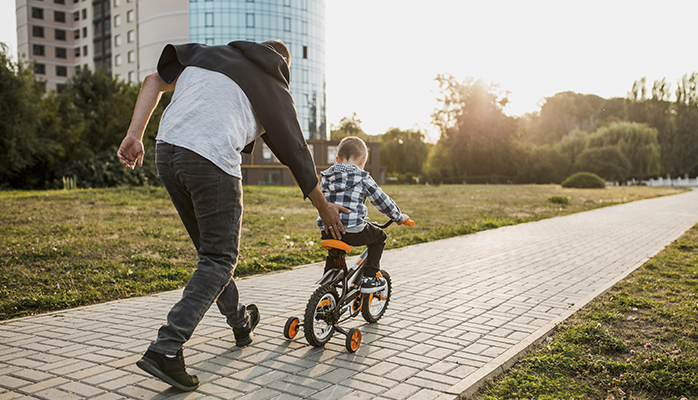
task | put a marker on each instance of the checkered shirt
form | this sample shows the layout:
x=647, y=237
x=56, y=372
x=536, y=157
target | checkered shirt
x=350, y=186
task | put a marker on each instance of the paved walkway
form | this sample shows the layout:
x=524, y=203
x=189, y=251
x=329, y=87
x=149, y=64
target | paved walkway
x=462, y=309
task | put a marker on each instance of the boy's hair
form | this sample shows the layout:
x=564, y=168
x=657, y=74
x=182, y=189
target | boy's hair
x=279, y=47
x=351, y=146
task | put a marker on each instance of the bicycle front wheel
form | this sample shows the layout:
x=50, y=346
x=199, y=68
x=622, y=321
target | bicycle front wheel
x=375, y=304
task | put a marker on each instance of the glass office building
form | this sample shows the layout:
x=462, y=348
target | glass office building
x=300, y=24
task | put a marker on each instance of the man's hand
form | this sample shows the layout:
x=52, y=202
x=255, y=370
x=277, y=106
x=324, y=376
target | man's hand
x=330, y=217
x=404, y=218
x=329, y=213
x=131, y=152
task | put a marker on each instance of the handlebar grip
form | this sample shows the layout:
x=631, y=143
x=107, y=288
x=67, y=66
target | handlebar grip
x=409, y=222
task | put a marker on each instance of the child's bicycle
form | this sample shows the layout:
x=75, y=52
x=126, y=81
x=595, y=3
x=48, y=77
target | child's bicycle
x=326, y=308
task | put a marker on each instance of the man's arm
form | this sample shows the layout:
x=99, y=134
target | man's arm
x=329, y=212
x=131, y=150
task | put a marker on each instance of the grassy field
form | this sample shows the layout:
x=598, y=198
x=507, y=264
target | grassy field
x=62, y=249
x=637, y=341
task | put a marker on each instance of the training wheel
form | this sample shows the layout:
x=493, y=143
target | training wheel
x=291, y=328
x=353, y=340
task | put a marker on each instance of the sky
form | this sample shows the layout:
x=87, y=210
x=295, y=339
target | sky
x=382, y=55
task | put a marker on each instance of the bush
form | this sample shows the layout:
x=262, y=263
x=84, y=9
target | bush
x=563, y=200
x=584, y=180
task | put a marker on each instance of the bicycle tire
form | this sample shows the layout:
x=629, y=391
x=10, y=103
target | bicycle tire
x=323, y=300
x=374, y=305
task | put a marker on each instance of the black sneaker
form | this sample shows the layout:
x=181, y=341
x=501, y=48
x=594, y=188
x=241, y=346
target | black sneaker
x=170, y=370
x=243, y=336
x=372, y=284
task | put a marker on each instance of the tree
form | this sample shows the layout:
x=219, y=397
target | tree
x=607, y=162
x=685, y=149
x=348, y=126
x=403, y=152
x=541, y=164
x=637, y=142
x=21, y=145
x=571, y=146
x=562, y=113
x=476, y=136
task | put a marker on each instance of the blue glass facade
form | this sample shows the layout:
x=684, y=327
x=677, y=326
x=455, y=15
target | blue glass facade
x=300, y=24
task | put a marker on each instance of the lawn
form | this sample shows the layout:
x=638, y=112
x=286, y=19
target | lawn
x=62, y=249
x=637, y=341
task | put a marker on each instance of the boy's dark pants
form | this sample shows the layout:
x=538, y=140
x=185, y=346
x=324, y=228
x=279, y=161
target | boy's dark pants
x=373, y=238
x=209, y=201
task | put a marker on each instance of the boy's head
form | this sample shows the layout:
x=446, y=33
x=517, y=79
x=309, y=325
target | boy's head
x=279, y=47
x=352, y=150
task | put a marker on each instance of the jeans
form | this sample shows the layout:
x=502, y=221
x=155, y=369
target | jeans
x=209, y=202
x=370, y=236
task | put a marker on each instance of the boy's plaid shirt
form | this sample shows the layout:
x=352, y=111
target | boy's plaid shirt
x=350, y=186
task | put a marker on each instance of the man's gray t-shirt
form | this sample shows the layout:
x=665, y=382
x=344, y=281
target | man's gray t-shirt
x=210, y=115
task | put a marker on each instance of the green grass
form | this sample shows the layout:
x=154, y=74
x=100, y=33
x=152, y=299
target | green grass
x=62, y=249
x=637, y=341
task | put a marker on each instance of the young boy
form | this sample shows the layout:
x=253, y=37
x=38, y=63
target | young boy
x=347, y=184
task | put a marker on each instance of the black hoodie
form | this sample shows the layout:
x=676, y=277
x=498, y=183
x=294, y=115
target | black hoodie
x=263, y=75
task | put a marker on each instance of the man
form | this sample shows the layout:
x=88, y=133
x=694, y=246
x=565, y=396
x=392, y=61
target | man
x=225, y=97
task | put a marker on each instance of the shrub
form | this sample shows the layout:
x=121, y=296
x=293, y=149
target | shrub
x=584, y=180
x=563, y=200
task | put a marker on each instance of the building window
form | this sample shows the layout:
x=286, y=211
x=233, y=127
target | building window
x=59, y=16
x=268, y=155
x=117, y=60
x=209, y=19
x=84, y=13
x=38, y=50
x=287, y=3
x=76, y=34
x=131, y=76
x=61, y=53
x=117, y=20
x=131, y=36
x=304, y=5
x=84, y=32
x=131, y=56
x=37, y=13
x=61, y=70
x=304, y=29
x=250, y=20
x=84, y=50
x=209, y=41
x=40, y=69
x=59, y=1
x=287, y=24
x=38, y=31
x=305, y=76
x=59, y=34
x=305, y=52
x=76, y=16
x=130, y=16
x=117, y=40
x=117, y=3
x=250, y=1
x=77, y=53
x=331, y=154
x=272, y=176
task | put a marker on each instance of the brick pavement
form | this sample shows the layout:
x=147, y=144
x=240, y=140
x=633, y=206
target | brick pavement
x=462, y=309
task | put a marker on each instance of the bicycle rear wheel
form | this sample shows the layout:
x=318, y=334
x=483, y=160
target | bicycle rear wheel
x=375, y=304
x=318, y=321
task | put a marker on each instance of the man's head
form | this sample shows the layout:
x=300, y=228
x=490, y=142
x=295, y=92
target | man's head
x=352, y=150
x=279, y=47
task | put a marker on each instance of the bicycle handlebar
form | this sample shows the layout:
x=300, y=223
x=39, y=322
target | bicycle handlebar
x=409, y=222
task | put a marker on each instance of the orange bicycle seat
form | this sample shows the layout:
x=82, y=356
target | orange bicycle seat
x=335, y=244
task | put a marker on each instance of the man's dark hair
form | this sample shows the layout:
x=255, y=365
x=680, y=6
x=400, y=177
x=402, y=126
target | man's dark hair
x=279, y=47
